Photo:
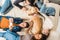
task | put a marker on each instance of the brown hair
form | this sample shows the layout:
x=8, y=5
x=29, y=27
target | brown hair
x=33, y=38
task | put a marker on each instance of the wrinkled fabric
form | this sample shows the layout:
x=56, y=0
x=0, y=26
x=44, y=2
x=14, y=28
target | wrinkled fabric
x=47, y=23
x=10, y=35
x=18, y=20
x=39, y=4
x=47, y=10
x=7, y=4
x=27, y=37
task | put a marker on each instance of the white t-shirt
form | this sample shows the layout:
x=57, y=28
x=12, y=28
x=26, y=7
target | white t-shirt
x=2, y=2
x=47, y=24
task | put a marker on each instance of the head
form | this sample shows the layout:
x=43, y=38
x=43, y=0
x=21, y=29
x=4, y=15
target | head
x=24, y=24
x=31, y=2
x=32, y=10
x=37, y=37
x=20, y=26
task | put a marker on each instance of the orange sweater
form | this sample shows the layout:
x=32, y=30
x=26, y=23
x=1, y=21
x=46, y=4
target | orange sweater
x=5, y=23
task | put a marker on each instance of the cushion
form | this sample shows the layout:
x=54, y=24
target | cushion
x=4, y=22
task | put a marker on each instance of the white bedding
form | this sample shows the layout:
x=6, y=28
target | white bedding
x=2, y=38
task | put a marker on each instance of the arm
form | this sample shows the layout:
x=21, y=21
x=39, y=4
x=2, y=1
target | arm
x=10, y=23
x=31, y=25
x=16, y=3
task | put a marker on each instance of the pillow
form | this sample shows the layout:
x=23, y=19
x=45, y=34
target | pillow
x=4, y=22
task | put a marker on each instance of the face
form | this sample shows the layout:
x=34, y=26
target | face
x=38, y=36
x=23, y=24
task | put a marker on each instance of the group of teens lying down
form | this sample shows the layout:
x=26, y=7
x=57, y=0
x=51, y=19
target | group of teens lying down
x=36, y=23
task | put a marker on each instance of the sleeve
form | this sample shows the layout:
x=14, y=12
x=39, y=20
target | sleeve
x=16, y=3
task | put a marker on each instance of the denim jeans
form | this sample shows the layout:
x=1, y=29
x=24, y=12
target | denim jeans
x=47, y=10
x=39, y=4
x=10, y=35
x=5, y=6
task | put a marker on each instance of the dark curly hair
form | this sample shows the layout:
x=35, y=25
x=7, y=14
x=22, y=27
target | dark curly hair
x=31, y=2
x=27, y=24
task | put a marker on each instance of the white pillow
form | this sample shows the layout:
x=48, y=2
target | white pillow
x=47, y=24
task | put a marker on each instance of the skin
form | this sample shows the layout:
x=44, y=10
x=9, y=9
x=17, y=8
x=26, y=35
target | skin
x=37, y=23
x=38, y=36
x=23, y=24
x=26, y=3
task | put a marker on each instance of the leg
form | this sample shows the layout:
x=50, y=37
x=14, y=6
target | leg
x=16, y=3
x=11, y=36
x=5, y=6
x=2, y=34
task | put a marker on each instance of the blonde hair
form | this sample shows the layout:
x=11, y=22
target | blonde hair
x=32, y=10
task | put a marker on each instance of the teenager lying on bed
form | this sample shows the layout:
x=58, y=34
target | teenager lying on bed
x=25, y=3
x=11, y=33
x=4, y=21
x=39, y=29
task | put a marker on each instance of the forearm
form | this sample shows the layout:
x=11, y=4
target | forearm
x=16, y=3
x=30, y=26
